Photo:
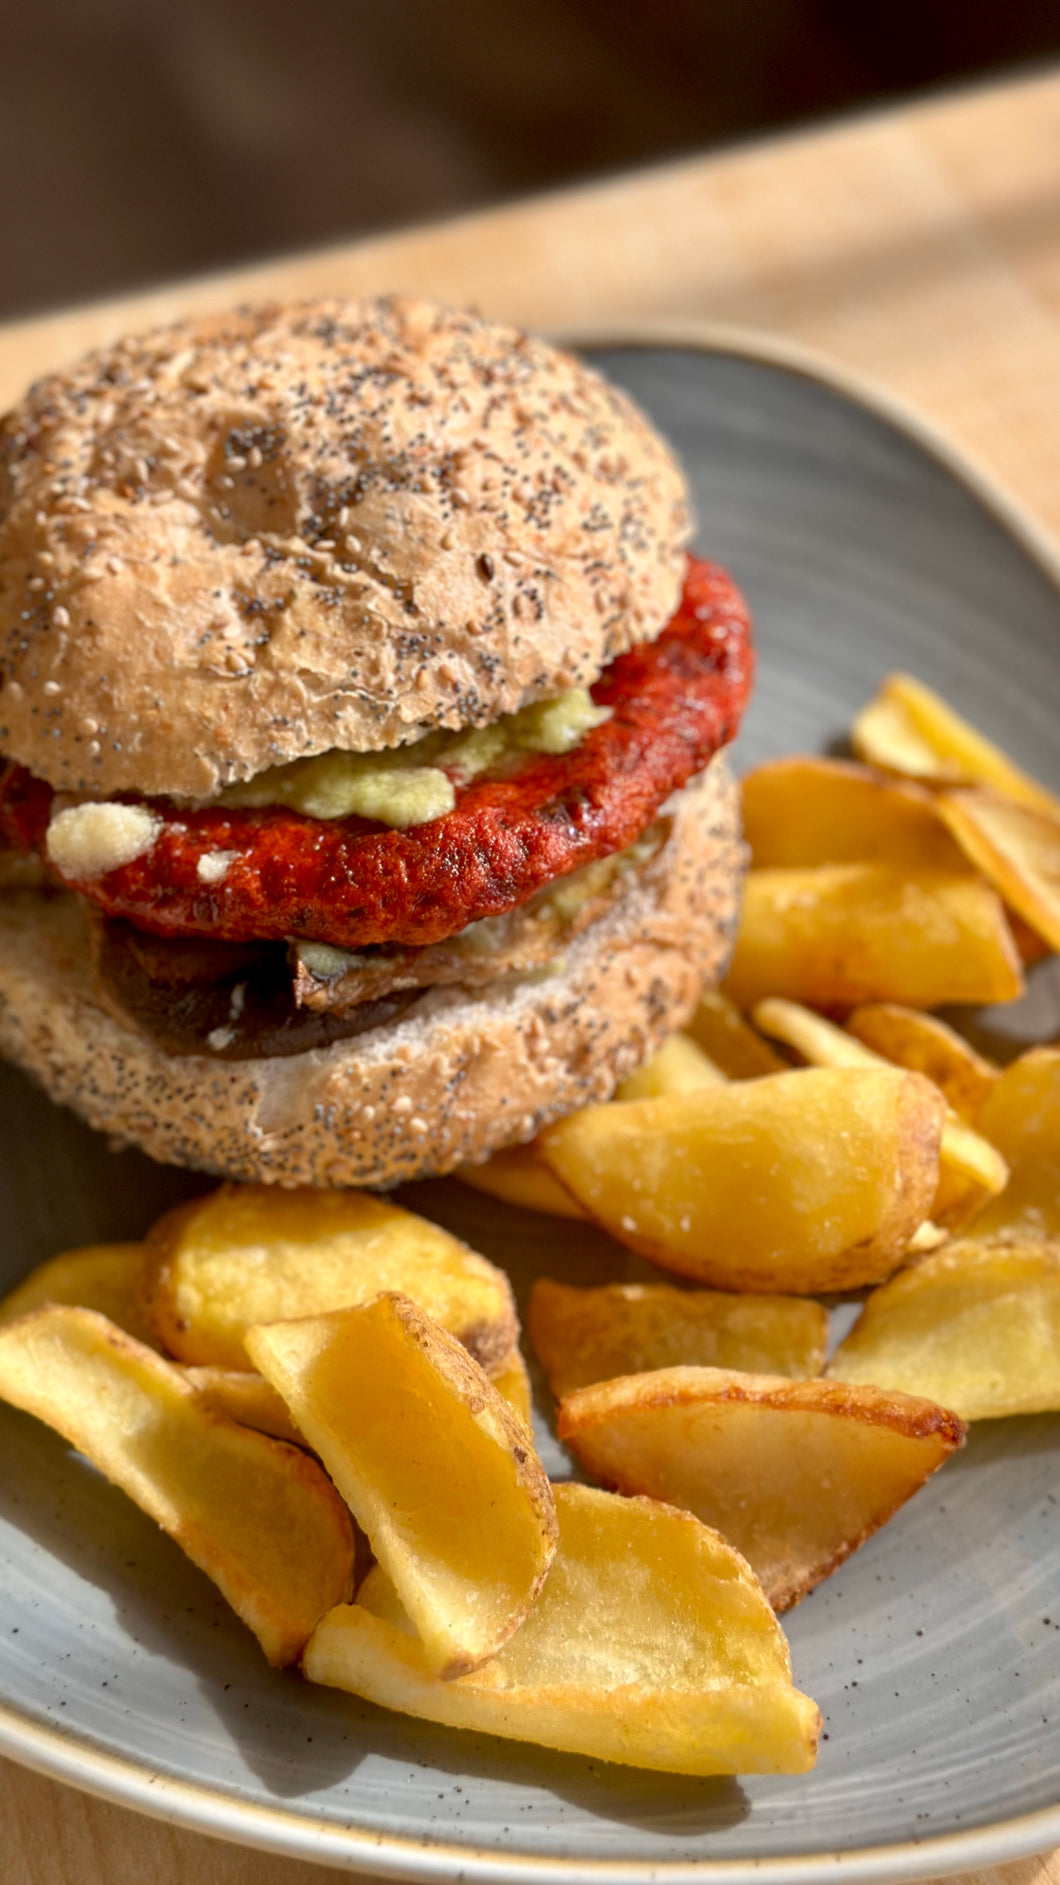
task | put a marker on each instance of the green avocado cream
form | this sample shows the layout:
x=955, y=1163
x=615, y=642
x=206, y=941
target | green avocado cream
x=406, y=785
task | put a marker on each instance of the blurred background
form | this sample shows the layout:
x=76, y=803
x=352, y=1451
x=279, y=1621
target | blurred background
x=149, y=138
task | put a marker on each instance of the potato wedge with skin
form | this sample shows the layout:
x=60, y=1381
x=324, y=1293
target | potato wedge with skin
x=651, y=1645
x=1031, y=947
x=259, y=1517
x=808, y=810
x=977, y=1327
x=798, y=1183
x=246, y=1397
x=843, y=934
x=521, y=1175
x=971, y=1170
x=909, y=729
x=925, y=1238
x=436, y=1467
x=1022, y=1118
x=1017, y=848
x=795, y=1474
x=817, y=1041
x=924, y=1044
x=679, y=1066
x=253, y=1253
x=729, y=1041
x=512, y=1383
x=586, y=1335
x=110, y=1278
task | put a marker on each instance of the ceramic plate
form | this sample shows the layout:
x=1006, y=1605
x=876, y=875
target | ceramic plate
x=934, y=1653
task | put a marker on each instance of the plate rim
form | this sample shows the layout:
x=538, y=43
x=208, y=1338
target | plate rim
x=73, y=1760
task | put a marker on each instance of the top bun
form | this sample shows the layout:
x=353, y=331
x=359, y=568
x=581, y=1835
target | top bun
x=246, y=539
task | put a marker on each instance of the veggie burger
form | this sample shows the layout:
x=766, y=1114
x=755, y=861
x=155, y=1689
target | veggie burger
x=362, y=710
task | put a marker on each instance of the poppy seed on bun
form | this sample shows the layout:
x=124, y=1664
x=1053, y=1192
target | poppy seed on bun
x=362, y=711
x=249, y=538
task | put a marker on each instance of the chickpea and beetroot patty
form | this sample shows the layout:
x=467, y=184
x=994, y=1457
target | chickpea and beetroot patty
x=673, y=703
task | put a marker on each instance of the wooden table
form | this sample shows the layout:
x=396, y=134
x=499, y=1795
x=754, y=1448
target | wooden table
x=921, y=246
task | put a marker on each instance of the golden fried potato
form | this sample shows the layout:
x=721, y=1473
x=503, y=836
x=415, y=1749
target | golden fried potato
x=512, y=1382
x=807, y=810
x=260, y=1518
x=795, y=1474
x=651, y=1644
x=1022, y=1118
x=971, y=1173
x=254, y=1253
x=110, y=1278
x=817, y=1041
x=971, y=1170
x=1017, y=848
x=910, y=730
x=521, y=1175
x=679, y=1066
x=246, y=1397
x=977, y=1327
x=1031, y=947
x=929, y=1046
x=730, y=1043
x=800, y=1182
x=842, y=934
x=436, y=1467
x=926, y=1237
x=586, y=1335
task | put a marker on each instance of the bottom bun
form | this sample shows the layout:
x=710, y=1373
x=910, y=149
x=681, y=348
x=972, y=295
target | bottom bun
x=462, y=1075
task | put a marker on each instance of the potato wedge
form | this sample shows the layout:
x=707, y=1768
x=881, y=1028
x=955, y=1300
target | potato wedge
x=512, y=1383
x=651, y=1644
x=254, y=1253
x=1017, y=848
x=521, y=1175
x=926, y=1045
x=817, y=1041
x=260, y=1518
x=977, y=1327
x=795, y=1474
x=842, y=934
x=679, y=1066
x=1030, y=945
x=797, y=1183
x=729, y=1042
x=435, y=1466
x=909, y=729
x=926, y=1237
x=1022, y=1118
x=971, y=1170
x=586, y=1335
x=808, y=810
x=110, y=1278
x=246, y=1397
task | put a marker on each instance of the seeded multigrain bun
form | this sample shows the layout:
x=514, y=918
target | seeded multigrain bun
x=250, y=538
x=467, y=1071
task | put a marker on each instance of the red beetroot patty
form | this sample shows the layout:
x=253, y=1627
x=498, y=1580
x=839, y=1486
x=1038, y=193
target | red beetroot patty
x=674, y=702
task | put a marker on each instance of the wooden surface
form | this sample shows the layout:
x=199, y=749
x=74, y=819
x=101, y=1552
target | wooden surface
x=921, y=246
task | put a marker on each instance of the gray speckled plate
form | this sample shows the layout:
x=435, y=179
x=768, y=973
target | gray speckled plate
x=935, y=1652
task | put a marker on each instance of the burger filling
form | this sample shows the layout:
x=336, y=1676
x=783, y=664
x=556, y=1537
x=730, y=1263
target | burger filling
x=413, y=785
x=319, y=898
